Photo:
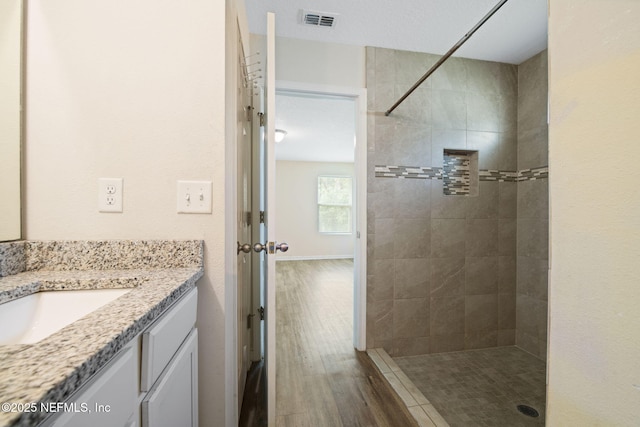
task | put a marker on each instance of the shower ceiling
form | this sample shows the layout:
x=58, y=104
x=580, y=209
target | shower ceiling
x=515, y=33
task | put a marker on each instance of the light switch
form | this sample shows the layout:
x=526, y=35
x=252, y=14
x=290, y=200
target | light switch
x=194, y=196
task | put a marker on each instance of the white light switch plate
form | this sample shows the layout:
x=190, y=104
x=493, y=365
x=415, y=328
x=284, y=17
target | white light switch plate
x=194, y=196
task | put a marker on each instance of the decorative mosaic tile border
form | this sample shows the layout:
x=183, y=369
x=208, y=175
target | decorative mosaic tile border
x=533, y=174
x=425, y=172
x=457, y=176
x=417, y=172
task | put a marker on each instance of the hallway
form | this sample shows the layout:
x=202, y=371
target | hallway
x=321, y=379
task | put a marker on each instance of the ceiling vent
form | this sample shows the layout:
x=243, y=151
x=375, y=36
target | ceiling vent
x=319, y=19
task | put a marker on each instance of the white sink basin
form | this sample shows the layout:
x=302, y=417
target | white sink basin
x=34, y=317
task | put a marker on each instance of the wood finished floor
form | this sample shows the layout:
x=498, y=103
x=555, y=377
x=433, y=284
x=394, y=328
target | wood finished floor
x=321, y=379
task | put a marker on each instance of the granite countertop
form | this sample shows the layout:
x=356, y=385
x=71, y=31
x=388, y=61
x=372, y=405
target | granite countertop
x=55, y=367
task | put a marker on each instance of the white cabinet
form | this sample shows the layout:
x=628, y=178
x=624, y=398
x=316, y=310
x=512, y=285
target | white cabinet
x=154, y=387
x=173, y=399
x=108, y=400
x=162, y=339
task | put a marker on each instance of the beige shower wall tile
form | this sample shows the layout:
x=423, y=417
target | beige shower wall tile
x=411, y=238
x=447, y=277
x=442, y=139
x=484, y=77
x=486, y=204
x=481, y=313
x=506, y=311
x=447, y=343
x=384, y=281
x=508, y=200
x=449, y=109
x=481, y=275
x=411, y=66
x=507, y=236
x=403, y=145
x=412, y=198
x=507, y=274
x=481, y=339
x=446, y=207
x=447, y=316
x=411, y=346
x=410, y=318
x=412, y=277
x=482, y=237
x=447, y=238
x=483, y=112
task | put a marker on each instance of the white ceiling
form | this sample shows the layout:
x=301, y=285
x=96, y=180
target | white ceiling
x=515, y=33
x=319, y=129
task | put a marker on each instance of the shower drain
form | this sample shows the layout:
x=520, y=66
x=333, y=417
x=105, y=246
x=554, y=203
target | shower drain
x=528, y=411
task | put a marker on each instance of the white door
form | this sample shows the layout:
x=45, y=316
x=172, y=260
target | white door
x=270, y=220
x=244, y=199
x=265, y=229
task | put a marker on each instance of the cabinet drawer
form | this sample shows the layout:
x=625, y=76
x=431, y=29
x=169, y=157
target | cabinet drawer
x=161, y=341
x=173, y=400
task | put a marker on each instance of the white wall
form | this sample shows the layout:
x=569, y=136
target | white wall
x=10, y=37
x=316, y=62
x=134, y=90
x=297, y=210
x=594, y=347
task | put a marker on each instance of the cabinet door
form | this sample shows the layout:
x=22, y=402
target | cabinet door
x=162, y=340
x=173, y=400
x=108, y=400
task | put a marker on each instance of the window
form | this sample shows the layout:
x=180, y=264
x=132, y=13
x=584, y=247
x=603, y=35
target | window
x=334, y=204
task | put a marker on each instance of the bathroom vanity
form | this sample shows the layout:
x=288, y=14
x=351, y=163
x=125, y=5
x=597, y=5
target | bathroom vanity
x=131, y=361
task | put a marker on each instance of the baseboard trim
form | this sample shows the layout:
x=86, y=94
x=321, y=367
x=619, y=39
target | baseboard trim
x=312, y=257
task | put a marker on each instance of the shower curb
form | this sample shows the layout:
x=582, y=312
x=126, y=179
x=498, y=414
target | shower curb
x=425, y=414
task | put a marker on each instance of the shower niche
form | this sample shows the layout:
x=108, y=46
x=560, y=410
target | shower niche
x=460, y=172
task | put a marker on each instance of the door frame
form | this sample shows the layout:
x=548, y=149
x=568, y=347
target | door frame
x=359, y=96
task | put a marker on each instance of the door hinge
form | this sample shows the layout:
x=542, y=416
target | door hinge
x=261, y=313
x=262, y=215
x=248, y=219
x=261, y=118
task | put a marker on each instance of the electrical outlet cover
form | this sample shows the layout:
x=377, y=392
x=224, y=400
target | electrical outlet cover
x=110, y=195
x=194, y=196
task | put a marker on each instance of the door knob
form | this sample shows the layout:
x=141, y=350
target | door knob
x=282, y=247
x=246, y=248
x=271, y=247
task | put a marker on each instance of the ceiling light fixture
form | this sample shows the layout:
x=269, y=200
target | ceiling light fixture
x=280, y=134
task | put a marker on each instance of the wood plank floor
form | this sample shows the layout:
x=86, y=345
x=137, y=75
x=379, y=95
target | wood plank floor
x=321, y=379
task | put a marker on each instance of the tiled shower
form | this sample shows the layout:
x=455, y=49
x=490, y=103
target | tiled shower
x=457, y=205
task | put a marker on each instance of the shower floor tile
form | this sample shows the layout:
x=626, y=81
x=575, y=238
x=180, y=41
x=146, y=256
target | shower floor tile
x=480, y=387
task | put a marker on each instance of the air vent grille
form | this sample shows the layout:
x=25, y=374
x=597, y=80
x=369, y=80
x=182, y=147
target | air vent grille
x=319, y=19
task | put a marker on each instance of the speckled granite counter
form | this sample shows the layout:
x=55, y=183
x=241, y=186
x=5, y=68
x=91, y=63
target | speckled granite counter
x=158, y=273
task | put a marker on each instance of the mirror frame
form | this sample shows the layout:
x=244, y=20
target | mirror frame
x=16, y=231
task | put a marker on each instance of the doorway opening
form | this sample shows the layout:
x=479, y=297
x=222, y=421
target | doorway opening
x=355, y=98
x=321, y=158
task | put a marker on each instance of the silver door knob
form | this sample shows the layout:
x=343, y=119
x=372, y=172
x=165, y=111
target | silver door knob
x=246, y=248
x=271, y=247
